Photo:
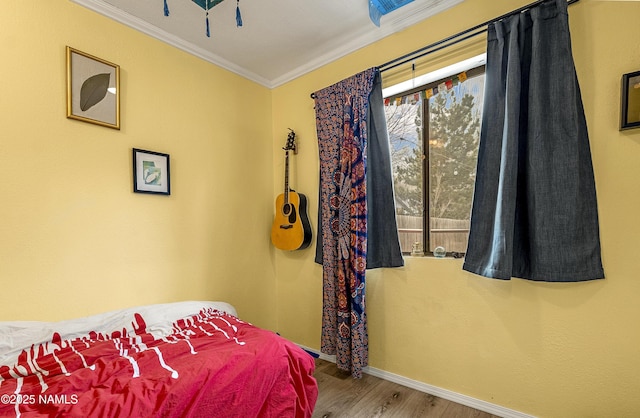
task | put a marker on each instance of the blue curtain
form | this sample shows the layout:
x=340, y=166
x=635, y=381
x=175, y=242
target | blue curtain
x=534, y=213
x=350, y=220
x=382, y=227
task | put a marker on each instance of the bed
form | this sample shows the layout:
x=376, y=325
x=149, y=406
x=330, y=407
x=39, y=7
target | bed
x=186, y=359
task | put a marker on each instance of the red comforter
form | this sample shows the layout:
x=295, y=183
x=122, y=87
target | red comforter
x=209, y=365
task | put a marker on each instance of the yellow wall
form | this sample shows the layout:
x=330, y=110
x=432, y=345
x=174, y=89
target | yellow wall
x=550, y=350
x=74, y=238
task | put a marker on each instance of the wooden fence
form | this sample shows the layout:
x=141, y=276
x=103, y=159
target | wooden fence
x=452, y=234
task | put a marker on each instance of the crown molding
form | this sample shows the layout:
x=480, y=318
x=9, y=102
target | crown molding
x=138, y=24
x=389, y=24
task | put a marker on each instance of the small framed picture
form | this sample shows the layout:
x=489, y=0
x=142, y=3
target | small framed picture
x=93, y=89
x=151, y=172
x=630, y=98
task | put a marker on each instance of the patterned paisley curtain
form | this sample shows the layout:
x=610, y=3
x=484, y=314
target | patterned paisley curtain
x=341, y=112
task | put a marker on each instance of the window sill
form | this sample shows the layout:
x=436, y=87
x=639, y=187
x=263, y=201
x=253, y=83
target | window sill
x=453, y=256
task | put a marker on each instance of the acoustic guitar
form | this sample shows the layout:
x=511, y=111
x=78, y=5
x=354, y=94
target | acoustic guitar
x=291, y=229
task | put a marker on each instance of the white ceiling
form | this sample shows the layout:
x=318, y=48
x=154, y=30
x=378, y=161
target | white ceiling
x=279, y=40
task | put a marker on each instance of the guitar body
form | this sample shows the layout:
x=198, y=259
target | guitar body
x=291, y=229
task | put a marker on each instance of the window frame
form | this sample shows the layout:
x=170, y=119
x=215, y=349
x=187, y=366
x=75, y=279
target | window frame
x=426, y=201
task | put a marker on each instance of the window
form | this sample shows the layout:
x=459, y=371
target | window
x=434, y=133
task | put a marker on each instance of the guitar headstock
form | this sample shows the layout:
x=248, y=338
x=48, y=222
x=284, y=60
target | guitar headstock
x=291, y=142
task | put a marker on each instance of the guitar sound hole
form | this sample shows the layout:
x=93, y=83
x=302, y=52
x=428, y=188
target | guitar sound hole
x=289, y=211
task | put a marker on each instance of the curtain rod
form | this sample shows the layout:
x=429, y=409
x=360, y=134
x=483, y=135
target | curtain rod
x=453, y=39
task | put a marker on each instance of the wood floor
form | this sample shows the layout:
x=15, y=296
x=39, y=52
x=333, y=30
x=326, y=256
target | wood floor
x=342, y=396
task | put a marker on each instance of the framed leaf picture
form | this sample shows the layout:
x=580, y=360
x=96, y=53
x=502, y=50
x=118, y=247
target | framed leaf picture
x=93, y=89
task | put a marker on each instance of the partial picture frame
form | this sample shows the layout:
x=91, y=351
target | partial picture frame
x=93, y=89
x=151, y=172
x=630, y=101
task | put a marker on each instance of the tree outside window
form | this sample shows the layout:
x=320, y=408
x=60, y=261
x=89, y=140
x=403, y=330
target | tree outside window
x=434, y=147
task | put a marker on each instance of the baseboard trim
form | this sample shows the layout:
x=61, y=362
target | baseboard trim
x=432, y=390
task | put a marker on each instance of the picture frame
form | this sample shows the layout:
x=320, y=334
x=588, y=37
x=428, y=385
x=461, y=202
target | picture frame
x=630, y=101
x=93, y=89
x=151, y=172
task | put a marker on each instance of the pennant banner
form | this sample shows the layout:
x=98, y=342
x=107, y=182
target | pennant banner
x=428, y=93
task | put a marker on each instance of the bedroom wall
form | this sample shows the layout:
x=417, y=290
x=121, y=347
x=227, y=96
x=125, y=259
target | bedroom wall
x=549, y=350
x=74, y=238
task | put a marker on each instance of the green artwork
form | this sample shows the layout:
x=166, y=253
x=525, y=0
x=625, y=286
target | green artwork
x=151, y=174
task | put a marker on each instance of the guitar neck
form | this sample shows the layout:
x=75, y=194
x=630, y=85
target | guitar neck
x=286, y=177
